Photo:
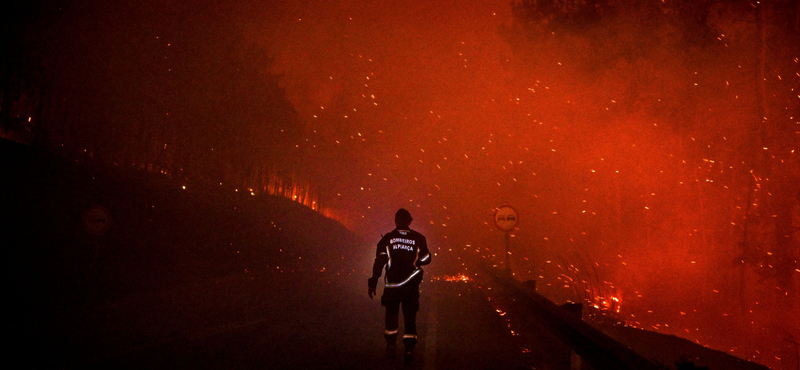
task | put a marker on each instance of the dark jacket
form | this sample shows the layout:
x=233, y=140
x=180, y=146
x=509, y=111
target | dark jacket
x=403, y=251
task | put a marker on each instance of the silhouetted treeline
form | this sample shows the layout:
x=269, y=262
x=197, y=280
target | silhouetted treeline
x=160, y=86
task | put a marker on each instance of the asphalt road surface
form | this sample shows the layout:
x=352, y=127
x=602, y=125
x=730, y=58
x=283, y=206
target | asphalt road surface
x=308, y=321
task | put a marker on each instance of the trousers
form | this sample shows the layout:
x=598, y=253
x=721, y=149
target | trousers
x=407, y=298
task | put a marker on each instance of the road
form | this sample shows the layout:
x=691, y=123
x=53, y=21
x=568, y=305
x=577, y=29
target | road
x=329, y=322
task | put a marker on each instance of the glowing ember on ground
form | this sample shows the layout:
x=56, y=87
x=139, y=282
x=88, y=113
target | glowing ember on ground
x=456, y=278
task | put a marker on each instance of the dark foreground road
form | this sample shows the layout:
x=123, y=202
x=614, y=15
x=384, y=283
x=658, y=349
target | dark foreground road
x=205, y=279
x=330, y=323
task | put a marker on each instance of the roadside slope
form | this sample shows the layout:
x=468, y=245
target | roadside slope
x=172, y=261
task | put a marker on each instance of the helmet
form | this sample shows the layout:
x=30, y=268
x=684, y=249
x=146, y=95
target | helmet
x=402, y=217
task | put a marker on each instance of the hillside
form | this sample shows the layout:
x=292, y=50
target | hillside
x=171, y=260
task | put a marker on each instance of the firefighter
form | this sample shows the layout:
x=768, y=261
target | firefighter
x=403, y=251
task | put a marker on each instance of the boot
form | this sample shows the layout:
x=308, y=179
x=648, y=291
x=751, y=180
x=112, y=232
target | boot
x=408, y=358
x=391, y=345
x=409, y=343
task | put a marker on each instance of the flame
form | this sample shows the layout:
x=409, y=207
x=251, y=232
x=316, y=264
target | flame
x=457, y=278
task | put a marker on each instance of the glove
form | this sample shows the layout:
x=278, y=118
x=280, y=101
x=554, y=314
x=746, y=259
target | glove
x=372, y=283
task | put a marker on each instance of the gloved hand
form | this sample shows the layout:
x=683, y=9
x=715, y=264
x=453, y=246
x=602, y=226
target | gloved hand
x=372, y=283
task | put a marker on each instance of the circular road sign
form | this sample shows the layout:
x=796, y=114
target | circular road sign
x=96, y=220
x=506, y=218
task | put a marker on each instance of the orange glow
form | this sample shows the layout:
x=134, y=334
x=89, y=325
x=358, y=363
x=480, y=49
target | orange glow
x=457, y=278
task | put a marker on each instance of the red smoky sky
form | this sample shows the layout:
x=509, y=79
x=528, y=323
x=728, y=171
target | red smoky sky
x=653, y=143
x=394, y=95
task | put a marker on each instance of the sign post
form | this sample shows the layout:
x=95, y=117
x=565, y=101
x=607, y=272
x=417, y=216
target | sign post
x=96, y=220
x=506, y=218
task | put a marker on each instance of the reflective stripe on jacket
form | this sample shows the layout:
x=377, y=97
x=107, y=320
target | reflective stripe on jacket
x=402, y=251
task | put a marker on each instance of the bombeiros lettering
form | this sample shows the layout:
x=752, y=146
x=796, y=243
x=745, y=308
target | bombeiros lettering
x=402, y=240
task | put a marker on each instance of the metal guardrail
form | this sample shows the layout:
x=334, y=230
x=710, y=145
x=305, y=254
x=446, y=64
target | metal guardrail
x=593, y=346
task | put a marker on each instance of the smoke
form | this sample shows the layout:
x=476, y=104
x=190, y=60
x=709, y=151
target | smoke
x=651, y=143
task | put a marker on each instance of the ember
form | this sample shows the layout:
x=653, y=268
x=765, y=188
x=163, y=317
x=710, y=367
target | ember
x=650, y=147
